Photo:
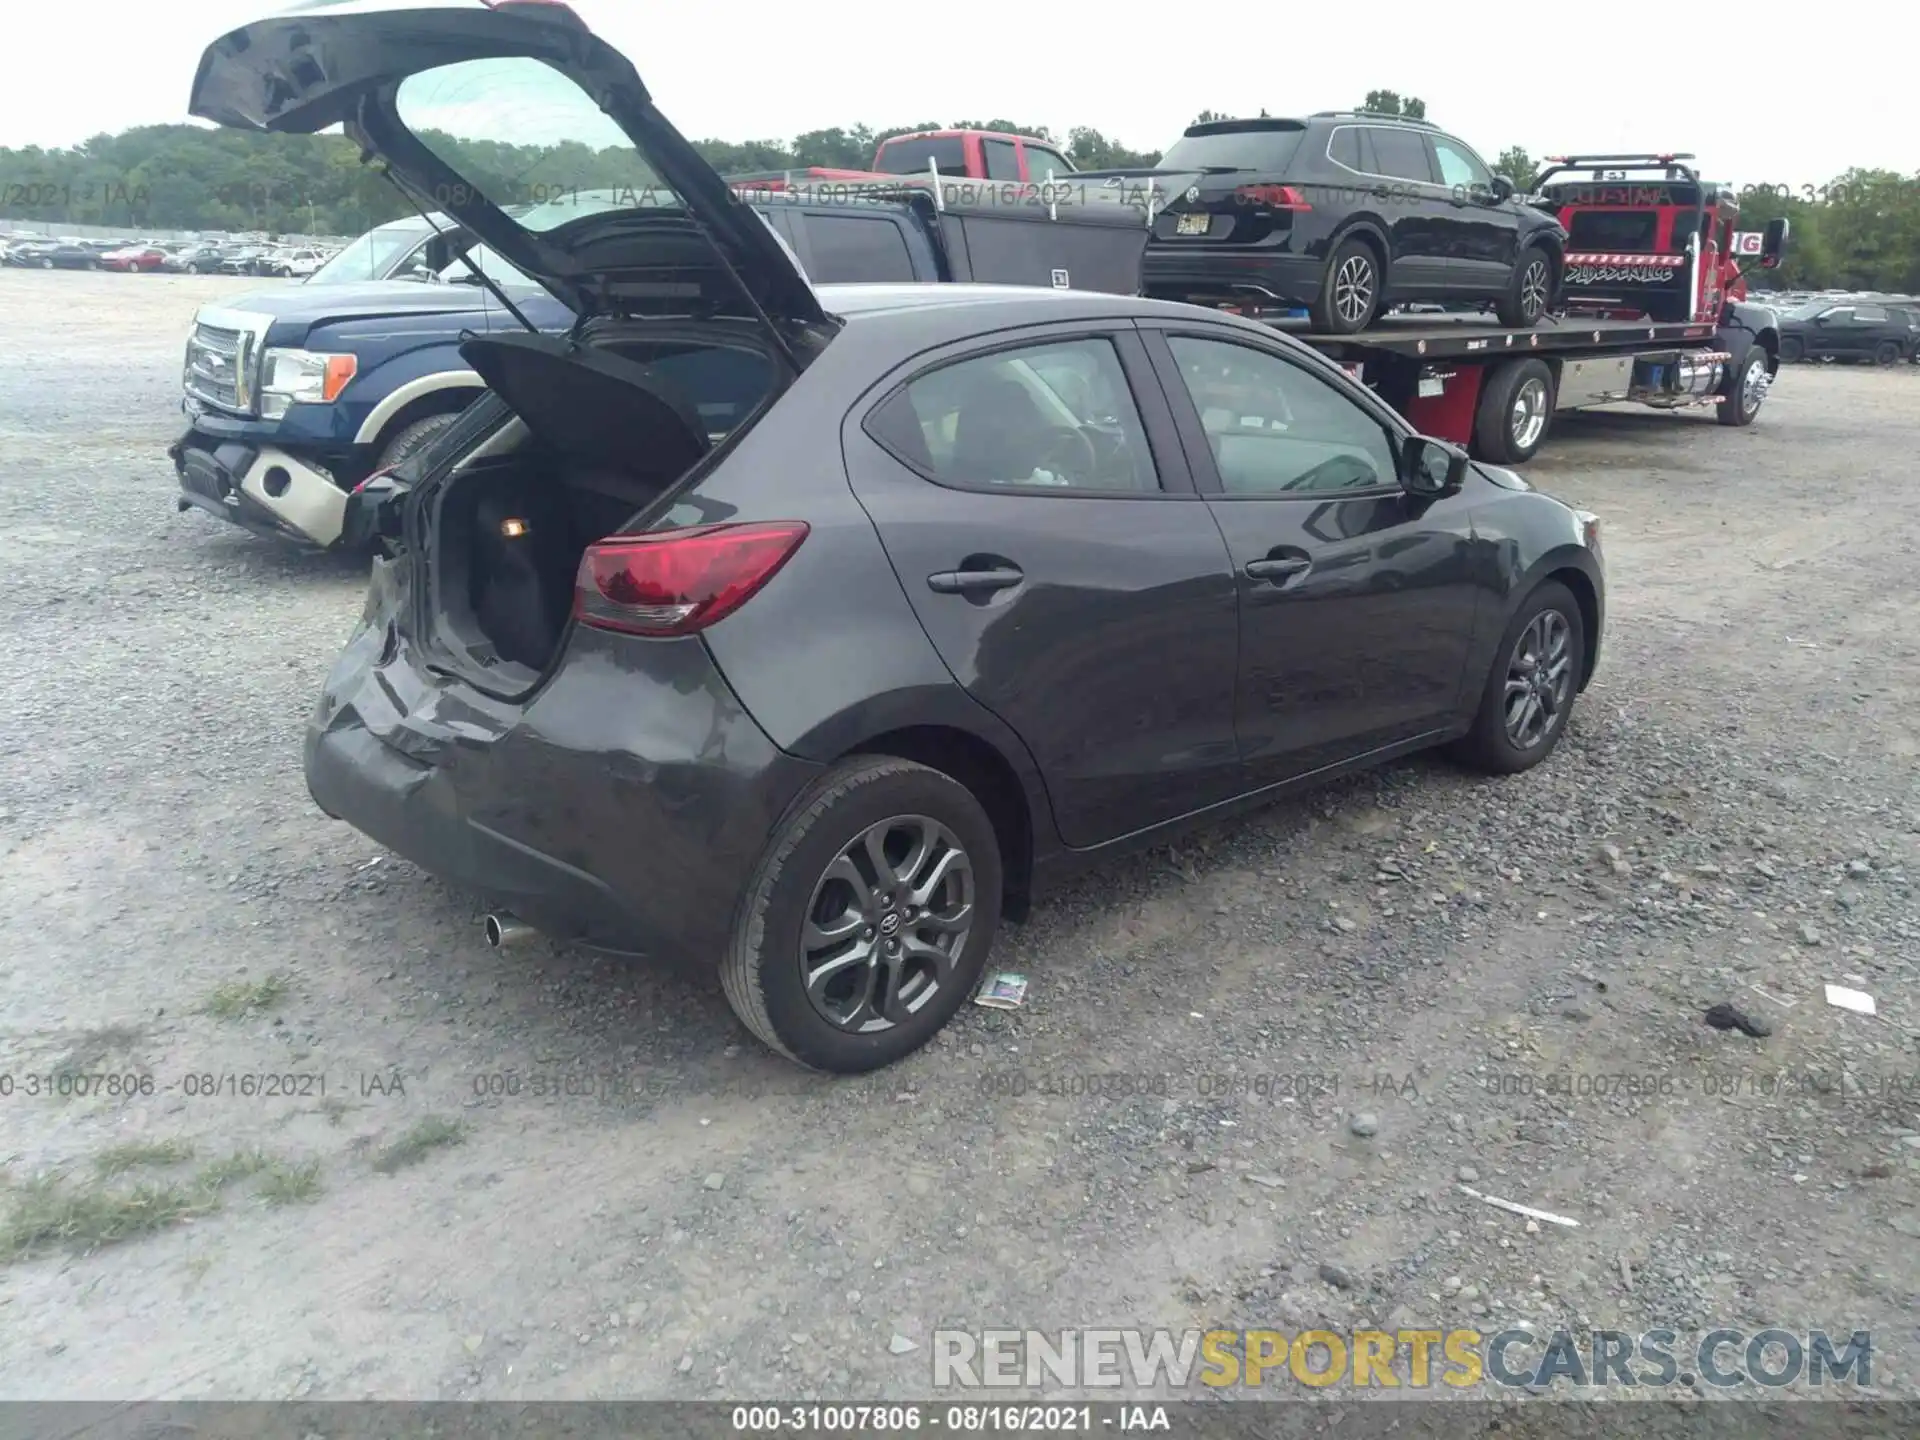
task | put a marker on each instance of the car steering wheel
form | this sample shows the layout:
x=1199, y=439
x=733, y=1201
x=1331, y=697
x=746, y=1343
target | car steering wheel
x=1074, y=452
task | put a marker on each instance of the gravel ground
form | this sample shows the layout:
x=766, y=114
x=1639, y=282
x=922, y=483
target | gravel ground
x=1253, y=1071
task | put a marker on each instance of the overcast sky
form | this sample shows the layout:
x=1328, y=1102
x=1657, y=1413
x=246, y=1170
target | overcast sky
x=1720, y=81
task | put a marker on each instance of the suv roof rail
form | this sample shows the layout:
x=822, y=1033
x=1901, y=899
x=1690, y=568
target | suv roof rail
x=1665, y=158
x=1375, y=115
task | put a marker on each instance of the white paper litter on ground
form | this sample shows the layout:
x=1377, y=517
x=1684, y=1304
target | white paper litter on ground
x=1006, y=991
x=1857, y=1000
x=1527, y=1210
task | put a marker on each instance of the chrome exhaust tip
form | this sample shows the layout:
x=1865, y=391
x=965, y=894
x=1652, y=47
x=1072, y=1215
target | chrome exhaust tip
x=505, y=930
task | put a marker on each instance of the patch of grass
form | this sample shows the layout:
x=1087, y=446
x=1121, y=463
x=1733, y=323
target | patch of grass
x=432, y=1133
x=48, y=1213
x=231, y=1169
x=240, y=998
x=142, y=1155
x=289, y=1184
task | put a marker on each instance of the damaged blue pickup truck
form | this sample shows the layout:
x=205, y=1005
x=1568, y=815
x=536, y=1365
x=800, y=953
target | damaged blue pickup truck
x=296, y=394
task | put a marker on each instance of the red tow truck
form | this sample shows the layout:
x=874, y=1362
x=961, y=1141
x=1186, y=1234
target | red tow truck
x=1652, y=310
x=982, y=155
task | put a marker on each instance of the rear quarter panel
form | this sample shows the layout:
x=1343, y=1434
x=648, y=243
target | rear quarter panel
x=830, y=654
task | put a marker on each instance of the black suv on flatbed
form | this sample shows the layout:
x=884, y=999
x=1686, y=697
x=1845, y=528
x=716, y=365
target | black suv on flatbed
x=1346, y=213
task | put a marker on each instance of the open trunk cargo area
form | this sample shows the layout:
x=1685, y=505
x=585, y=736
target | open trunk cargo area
x=599, y=433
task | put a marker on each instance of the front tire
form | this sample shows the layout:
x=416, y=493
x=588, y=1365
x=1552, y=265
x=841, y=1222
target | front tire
x=1527, y=702
x=1350, y=290
x=1744, y=390
x=1529, y=291
x=1792, y=352
x=867, y=922
x=413, y=438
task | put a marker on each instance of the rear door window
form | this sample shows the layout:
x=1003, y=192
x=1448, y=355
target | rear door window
x=1867, y=315
x=947, y=153
x=1003, y=162
x=855, y=249
x=1401, y=154
x=1050, y=416
x=1344, y=148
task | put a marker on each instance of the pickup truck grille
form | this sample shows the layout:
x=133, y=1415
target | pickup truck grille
x=217, y=368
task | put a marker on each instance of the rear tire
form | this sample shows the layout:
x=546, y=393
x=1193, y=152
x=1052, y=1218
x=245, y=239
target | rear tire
x=412, y=439
x=1546, y=632
x=1515, y=412
x=1529, y=290
x=788, y=993
x=1887, y=352
x=1744, y=390
x=1350, y=288
x=1791, y=351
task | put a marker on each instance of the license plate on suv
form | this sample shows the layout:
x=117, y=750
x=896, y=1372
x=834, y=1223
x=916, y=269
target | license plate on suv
x=1196, y=223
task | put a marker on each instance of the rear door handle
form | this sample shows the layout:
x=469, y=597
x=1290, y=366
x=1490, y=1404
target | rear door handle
x=1277, y=569
x=961, y=582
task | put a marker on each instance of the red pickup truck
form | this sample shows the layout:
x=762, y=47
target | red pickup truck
x=962, y=154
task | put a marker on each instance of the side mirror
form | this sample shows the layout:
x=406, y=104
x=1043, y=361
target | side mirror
x=1431, y=468
x=1502, y=188
x=1773, y=243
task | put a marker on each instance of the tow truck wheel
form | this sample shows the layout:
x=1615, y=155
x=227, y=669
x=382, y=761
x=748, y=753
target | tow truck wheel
x=1744, y=389
x=1516, y=407
x=1529, y=290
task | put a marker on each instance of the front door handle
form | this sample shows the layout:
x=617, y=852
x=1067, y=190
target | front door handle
x=962, y=582
x=1278, y=568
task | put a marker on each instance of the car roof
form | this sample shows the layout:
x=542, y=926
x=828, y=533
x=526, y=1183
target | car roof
x=1044, y=302
x=942, y=313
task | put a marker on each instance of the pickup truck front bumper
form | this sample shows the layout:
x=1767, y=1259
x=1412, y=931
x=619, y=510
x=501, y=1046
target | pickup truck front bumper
x=261, y=488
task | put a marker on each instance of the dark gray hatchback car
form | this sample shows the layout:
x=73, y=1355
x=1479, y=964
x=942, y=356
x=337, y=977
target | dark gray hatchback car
x=805, y=634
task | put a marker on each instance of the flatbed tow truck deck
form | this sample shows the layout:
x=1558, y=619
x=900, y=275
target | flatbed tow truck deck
x=1494, y=389
x=1425, y=337
x=1662, y=321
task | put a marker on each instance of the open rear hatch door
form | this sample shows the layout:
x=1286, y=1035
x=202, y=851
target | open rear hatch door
x=482, y=110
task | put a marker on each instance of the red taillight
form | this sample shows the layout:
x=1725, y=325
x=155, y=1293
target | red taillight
x=679, y=581
x=1274, y=197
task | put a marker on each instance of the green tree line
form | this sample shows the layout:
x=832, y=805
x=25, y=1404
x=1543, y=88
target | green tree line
x=1861, y=230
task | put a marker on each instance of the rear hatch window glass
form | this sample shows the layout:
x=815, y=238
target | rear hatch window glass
x=948, y=154
x=524, y=134
x=1264, y=147
x=1631, y=230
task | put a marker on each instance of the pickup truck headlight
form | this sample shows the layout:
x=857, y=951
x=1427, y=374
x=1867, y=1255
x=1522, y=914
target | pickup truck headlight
x=302, y=377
